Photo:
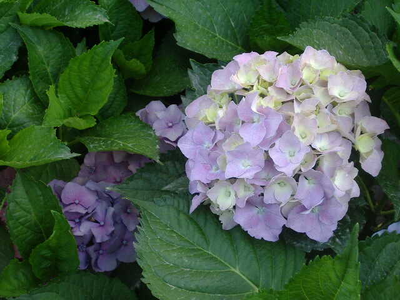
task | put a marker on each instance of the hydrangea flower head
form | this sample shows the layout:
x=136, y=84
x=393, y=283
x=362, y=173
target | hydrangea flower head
x=269, y=144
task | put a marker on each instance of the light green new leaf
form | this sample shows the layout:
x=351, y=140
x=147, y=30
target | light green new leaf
x=122, y=133
x=58, y=255
x=351, y=40
x=117, y=100
x=125, y=21
x=168, y=76
x=154, y=180
x=132, y=68
x=34, y=146
x=4, y=145
x=385, y=290
x=375, y=13
x=29, y=216
x=299, y=11
x=49, y=53
x=17, y=279
x=6, y=248
x=187, y=256
x=216, y=29
x=21, y=106
x=389, y=176
x=395, y=14
x=65, y=170
x=71, y=13
x=379, y=258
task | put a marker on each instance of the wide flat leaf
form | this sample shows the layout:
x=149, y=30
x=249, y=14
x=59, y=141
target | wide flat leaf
x=191, y=257
x=65, y=170
x=379, y=258
x=299, y=11
x=8, y=13
x=168, y=76
x=6, y=248
x=29, y=217
x=392, y=56
x=17, y=279
x=389, y=177
x=350, y=39
x=49, y=53
x=117, y=100
x=42, y=296
x=58, y=255
x=21, y=108
x=385, y=290
x=132, y=68
x=71, y=13
x=268, y=23
x=122, y=133
x=35, y=146
x=200, y=78
x=125, y=21
x=375, y=13
x=216, y=29
x=154, y=180
x=86, y=286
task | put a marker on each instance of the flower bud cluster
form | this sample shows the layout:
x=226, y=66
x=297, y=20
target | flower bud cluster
x=269, y=144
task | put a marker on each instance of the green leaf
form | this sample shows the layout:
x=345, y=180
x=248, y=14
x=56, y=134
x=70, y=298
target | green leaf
x=154, y=180
x=392, y=56
x=389, y=177
x=87, y=286
x=216, y=29
x=327, y=277
x=81, y=47
x=392, y=99
x=117, y=100
x=45, y=63
x=80, y=123
x=17, y=279
x=385, y=290
x=191, y=257
x=395, y=14
x=42, y=296
x=379, y=258
x=299, y=11
x=351, y=40
x=132, y=68
x=65, y=170
x=268, y=23
x=71, y=13
x=122, y=133
x=200, y=78
x=375, y=13
x=4, y=146
x=29, y=216
x=35, y=146
x=6, y=248
x=21, y=107
x=168, y=76
x=58, y=255
x=125, y=21
x=8, y=13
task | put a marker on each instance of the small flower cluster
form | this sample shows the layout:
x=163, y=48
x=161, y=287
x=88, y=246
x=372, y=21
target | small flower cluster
x=269, y=144
x=146, y=11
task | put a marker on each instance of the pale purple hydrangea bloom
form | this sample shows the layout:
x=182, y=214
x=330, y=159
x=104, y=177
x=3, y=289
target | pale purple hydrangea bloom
x=269, y=144
x=146, y=11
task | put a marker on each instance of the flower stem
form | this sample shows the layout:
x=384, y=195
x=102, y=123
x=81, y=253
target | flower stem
x=366, y=193
x=387, y=212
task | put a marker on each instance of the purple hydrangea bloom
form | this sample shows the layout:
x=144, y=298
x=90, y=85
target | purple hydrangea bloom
x=170, y=125
x=244, y=161
x=77, y=198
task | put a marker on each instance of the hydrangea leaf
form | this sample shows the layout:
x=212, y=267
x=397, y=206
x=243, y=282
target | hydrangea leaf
x=392, y=56
x=190, y=256
x=65, y=170
x=168, y=76
x=88, y=80
x=299, y=11
x=125, y=21
x=45, y=63
x=389, y=177
x=71, y=13
x=380, y=259
x=17, y=279
x=132, y=68
x=154, y=180
x=395, y=13
x=80, y=123
x=29, y=217
x=42, y=296
x=21, y=108
x=8, y=13
x=200, y=78
x=216, y=29
x=58, y=255
x=350, y=39
x=86, y=286
x=81, y=47
x=385, y=290
x=125, y=133
x=6, y=248
x=4, y=144
x=392, y=100
x=269, y=22
x=375, y=13
x=117, y=100
x=35, y=146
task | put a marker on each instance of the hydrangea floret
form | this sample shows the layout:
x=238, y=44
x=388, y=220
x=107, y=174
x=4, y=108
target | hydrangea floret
x=269, y=145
